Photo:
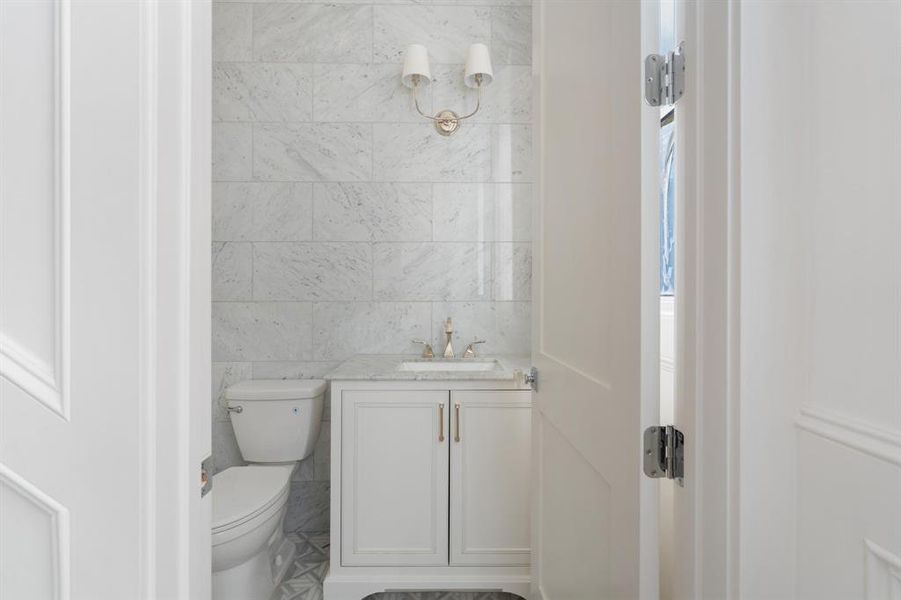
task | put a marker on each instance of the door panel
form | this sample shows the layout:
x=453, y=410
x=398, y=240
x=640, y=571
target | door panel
x=595, y=338
x=394, y=477
x=34, y=227
x=490, y=478
x=69, y=308
x=104, y=339
x=578, y=491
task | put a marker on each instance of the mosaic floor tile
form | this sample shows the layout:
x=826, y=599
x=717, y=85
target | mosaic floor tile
x=304, y=579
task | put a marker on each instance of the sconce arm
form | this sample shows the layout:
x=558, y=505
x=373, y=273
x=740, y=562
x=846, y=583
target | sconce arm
x=416, y=102
x=478, y=103
x=446, y=121
x=430, y=117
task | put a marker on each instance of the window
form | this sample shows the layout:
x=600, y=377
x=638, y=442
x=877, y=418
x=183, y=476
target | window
x=667, y=204
x=667, y=163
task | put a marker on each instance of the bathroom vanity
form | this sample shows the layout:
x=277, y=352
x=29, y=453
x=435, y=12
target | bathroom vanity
x=430, y=473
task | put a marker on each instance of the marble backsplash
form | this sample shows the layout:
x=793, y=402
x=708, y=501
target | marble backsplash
x=342, y=222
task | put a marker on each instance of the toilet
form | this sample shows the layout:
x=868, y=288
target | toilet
x=276, y=424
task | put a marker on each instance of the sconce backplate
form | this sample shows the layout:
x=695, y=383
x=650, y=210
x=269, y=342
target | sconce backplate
x=447, y=122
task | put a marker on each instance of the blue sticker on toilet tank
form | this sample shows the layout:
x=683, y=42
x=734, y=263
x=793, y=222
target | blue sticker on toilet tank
x=295, y=410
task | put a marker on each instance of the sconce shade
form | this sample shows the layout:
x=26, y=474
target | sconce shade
x=416, y=62
x=478, y=62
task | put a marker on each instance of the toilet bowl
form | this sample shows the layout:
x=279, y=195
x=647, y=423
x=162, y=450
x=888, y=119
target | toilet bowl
x=276, y=424
x=247, y=528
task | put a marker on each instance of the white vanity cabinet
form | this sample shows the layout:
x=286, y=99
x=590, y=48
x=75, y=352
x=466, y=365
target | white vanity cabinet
x=430, y=487
x=490, y=477
x=394, y=477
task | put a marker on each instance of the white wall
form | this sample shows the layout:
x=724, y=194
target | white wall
x=849, y=465
x=820, y=299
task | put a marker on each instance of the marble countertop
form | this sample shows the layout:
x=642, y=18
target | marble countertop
x=364, y=367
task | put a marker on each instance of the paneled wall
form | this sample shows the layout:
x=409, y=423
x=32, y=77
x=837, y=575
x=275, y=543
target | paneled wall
x=342, y=222
x=820, y=473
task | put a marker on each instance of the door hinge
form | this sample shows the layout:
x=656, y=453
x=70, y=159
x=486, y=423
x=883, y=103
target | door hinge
x=206, y=478
x=531, y=378
x=664, y=452
x=664, y=77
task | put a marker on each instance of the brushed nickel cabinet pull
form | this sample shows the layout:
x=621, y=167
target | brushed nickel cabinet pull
x=457, y=415
x=440, y=422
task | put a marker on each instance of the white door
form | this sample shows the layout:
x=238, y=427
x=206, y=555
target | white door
x=490, y=478
x=394, y=477
x=595, y=338
x=99, y=478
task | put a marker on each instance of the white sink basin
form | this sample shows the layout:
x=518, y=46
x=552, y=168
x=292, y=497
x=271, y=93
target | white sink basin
x=464, y=365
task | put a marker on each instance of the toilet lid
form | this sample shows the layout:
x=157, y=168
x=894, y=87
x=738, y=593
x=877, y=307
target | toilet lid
x=242, y=492
x=275, y=389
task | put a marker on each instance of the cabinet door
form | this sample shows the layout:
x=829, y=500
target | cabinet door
x=394, y=477
x=490, y=520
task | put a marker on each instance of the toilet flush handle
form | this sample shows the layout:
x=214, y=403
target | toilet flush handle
x=235, y=409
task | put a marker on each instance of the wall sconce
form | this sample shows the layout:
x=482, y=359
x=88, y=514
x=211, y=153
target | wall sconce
x=417, y=73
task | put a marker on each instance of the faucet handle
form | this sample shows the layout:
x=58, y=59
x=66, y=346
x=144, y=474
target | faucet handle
x=470, y=351
x=426, y=350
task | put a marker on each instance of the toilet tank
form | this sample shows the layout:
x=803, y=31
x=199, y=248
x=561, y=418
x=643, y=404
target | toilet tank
x=276, y=420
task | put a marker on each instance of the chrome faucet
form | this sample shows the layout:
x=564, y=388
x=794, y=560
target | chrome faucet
x=426, y=348
x=470, y=351
x=449, y=333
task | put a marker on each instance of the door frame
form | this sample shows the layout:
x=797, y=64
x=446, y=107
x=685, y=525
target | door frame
x=175, y=186
x=174, y=195
x=708, y=234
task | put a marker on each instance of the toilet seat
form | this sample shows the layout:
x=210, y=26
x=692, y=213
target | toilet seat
x=244, y=497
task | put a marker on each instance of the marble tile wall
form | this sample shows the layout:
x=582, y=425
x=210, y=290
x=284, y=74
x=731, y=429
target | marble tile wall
x=342, y=222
